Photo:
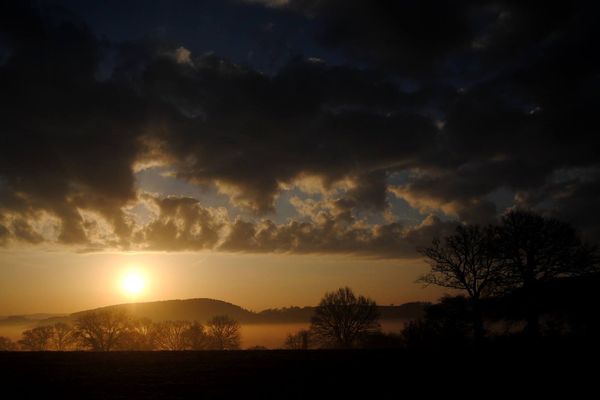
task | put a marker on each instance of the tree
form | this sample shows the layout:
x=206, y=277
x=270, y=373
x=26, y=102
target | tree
x=138, y=337
x=341, y=319
x=298, y=341
x=102, y=330
x=171, y=335
x=195, y=336
x=223, y=333
x=534, y=249
x=37, y=339
x=63, y=336
x=467, y=260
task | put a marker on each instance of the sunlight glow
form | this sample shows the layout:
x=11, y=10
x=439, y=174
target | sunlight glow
x=133, y=283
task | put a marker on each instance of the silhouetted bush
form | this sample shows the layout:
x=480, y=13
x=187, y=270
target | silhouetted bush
x=446, y=324
x=300, y=340
x=381, y=340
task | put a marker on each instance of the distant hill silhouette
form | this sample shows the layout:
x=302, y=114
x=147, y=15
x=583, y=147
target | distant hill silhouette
x=190, y=309
x=203, y=309
x=27, y=318
x=414, y=310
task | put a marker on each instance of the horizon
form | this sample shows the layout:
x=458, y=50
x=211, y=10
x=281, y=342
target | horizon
x=190, y=299
x=235, y=278
x=266, y=152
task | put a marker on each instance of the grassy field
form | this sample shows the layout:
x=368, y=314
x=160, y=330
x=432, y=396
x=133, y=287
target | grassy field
x=287, y=374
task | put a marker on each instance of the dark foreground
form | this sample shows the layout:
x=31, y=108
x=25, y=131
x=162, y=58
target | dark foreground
x=569, y=371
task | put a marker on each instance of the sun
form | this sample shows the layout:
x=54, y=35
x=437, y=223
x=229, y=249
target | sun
x=133, y=283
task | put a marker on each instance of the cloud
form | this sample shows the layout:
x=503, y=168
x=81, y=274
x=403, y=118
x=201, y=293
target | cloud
x=329, y=233
x=181, y=224
x=412, y=37
x=572, y=195
x=438, y=104
x=68, y=140
x=269, y=3
x=261, y=133
x=4, y=234
x=182, y=56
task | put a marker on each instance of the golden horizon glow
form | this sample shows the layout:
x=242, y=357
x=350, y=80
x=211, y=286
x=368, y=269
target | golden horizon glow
x=133, y=283
x=66, y=283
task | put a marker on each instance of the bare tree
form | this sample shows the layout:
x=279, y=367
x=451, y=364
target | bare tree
x=37, y=339
x=63, y=337
x=139, y=336
x=223, y=333
x=102, y=330
x=341, y=319
x=466, y=260
x=298, y=341
x=535, y=248
x=171, y=335
x=195, y=336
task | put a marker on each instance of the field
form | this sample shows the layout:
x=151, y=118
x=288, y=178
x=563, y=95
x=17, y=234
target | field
x=292, y=374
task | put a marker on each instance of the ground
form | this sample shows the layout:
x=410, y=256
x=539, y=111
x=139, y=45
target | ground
x=294, y=374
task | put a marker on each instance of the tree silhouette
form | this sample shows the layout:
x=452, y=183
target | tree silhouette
x=195, y=336
x=467, y=260
x=102, y=330
x=37, y=339
x=341, y=319
x=171, y=335
x=139, y=336
x=63, y=336
x=534, y=249
x=223, y=333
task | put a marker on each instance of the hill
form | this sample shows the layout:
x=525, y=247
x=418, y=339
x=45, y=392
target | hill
x=405, y=311
x=26, y=319
x=189, y=309
x=203, y=309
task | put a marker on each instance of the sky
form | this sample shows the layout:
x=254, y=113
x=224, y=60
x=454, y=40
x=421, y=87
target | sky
x=264, y=152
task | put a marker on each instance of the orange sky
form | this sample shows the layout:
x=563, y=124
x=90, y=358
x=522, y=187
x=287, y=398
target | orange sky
x=62, y=282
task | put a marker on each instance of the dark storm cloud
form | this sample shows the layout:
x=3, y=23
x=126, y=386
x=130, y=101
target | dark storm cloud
x=68, y=140
x=252, y=133
x=453, y=38
x=462, y=98
x=526, y=78
x=573, y=195
x=581, y=205
x=412, y=36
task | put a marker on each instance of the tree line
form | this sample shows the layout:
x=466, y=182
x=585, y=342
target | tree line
x=116, y=330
